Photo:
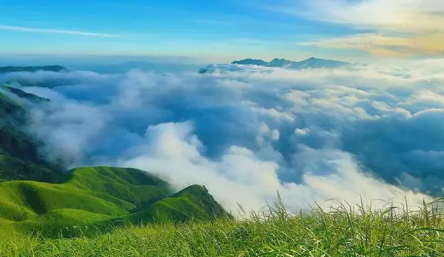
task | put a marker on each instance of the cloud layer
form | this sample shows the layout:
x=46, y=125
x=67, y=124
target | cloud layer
x=247, y=134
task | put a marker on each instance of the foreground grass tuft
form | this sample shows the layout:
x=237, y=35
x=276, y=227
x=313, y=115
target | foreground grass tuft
x=344, y=231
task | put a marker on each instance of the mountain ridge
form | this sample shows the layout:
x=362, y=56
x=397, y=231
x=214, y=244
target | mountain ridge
x=51, y=68
x=310, y=63
x=105, y=197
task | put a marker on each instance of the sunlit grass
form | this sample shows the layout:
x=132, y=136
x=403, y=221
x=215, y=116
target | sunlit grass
x=343, y=231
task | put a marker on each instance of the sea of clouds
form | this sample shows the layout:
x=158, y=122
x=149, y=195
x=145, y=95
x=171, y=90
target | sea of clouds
x=374, y=132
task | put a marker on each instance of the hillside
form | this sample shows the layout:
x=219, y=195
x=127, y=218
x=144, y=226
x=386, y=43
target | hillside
x=19, y=154
x=100, y=197
x=22, y=94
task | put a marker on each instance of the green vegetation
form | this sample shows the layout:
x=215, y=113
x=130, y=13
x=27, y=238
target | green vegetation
x=339, y=233
x=8, y=106
x=99, y=197
x=16, y=169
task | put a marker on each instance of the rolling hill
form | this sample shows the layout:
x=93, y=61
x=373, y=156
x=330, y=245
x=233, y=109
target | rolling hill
x=37, y=196
x=101, y=198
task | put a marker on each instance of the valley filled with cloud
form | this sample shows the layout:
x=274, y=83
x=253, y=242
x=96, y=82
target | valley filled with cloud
x=248, y=133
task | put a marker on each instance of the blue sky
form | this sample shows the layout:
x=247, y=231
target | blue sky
x=212, y=29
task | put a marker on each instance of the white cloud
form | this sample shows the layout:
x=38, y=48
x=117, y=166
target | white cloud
x=302, y=132
x=383, y=44
x=310, y=135
x=240, y=177
x=68, y=129
x=273, y=113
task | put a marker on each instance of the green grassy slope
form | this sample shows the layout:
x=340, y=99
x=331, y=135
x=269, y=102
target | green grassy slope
x=100, y=196
x=16, y=169
x=131, y=185
x=98, y=190
x=337, y=233
x=193, y=202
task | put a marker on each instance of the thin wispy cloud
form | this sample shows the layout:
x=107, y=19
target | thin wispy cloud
x=378, y=44
x=399, y=27
x=394, y=15
x=56, y=31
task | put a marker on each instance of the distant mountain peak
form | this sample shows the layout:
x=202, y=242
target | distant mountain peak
x=310, y=63
x=284, y=63
x=250, y=61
